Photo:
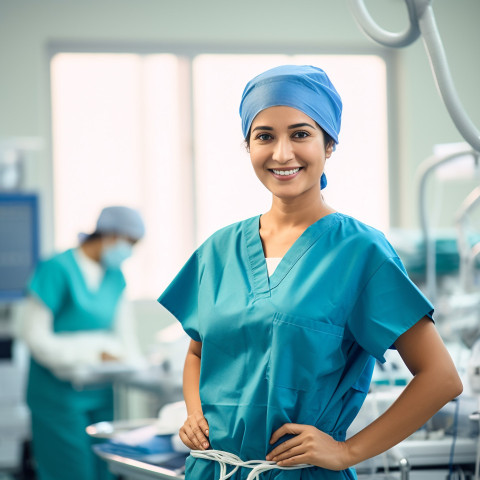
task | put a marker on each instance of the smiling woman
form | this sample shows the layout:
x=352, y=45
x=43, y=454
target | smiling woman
x=282, y=353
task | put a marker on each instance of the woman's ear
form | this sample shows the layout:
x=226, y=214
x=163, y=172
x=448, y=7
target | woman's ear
x=329, y=149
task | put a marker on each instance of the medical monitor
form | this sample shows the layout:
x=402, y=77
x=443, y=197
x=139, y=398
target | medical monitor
x=19, y=247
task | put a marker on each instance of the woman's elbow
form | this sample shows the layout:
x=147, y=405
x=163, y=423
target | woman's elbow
x=452, y=385
x=458, y=388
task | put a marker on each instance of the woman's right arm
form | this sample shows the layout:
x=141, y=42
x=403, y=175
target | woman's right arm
x=194, y=432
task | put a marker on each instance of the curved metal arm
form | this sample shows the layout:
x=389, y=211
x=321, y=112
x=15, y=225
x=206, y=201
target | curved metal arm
x=441, y=73
x=384, y=37
x=470, y=202
x=474, y=253
x=466, y=252
x=422, y=21
x=423, y=173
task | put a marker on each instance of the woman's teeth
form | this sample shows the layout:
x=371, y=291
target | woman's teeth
x=285, y=172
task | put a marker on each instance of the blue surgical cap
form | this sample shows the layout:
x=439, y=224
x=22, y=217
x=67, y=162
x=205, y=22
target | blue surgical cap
x=303, y=87
x=119, y=220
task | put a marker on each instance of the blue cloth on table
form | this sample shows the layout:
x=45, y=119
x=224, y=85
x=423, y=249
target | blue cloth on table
x=155, y=445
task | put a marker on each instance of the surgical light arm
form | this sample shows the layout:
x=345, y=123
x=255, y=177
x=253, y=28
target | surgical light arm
x=467, y=253
x=426, y=169
x=422, y=22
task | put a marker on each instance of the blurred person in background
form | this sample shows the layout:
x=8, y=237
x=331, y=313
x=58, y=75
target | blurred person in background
x=76, y=317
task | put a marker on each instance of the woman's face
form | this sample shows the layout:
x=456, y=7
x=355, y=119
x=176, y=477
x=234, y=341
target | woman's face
x=288, y=152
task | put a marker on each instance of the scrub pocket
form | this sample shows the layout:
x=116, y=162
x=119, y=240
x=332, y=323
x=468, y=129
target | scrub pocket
x=304, y=352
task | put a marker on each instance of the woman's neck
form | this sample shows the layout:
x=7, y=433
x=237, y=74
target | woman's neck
x=297, y=213
x=285, y=222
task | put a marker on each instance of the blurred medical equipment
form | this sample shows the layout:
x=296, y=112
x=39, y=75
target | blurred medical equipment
x=425, y=170
x=448, y=439
x=170, y=349
x=458, y=306
x=422, y=22
x=159, y=382
x=133, y=432
x=19, y=251
x=443, y=260
x=474, y=384
x=14, y=154
x=14, y=414
x=145, y=448
x=19, y=243
x=19, y=219
x=468, y=253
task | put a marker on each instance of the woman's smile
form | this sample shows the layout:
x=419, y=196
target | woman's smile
x=285, y=174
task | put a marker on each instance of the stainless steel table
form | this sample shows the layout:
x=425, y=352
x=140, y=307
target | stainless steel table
x=136, y=469
x=163, y=386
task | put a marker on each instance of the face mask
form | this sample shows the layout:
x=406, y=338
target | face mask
x=114, y=255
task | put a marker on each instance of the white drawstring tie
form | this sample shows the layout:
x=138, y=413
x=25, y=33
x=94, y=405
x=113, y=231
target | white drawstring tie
x=226, y=458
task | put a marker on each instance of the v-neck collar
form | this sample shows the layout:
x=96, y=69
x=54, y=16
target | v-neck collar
x=261, y=282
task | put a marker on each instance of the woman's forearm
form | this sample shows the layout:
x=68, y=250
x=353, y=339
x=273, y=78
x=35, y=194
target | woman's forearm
x=191, y=378
x=420, y=400
x=434, y=384
x=194, y=432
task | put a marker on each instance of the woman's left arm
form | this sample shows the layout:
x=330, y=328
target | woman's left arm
x=435, y=382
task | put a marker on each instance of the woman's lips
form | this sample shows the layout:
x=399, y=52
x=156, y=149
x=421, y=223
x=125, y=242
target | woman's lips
x=285, y=174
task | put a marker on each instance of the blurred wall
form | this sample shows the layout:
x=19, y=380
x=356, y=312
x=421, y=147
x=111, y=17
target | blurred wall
x=28, y=27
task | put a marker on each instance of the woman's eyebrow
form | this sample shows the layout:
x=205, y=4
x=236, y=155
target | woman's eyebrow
x=262, y=128
x=297, y=125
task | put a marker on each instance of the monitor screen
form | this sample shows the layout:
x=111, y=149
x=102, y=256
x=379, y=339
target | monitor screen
x=18, y=243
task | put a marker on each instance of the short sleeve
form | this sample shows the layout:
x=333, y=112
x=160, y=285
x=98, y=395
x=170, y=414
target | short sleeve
x=181, y=297
x=388, y=305
x=49, y=284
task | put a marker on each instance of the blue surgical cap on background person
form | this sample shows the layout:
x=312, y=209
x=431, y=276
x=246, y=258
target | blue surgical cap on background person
x=121, y=221
x=303, y=87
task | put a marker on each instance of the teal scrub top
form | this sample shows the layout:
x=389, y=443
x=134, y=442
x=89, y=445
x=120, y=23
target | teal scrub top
x=59, y=283
x=299, y=346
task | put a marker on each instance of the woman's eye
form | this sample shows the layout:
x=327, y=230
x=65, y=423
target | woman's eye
x=264, y=136
x=301, y=134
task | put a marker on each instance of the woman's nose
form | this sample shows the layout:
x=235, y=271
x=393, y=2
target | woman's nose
x=283, y=151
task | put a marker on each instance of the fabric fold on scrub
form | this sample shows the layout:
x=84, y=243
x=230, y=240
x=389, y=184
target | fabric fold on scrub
x=299, y=346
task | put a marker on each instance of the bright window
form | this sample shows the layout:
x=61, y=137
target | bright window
x=162, y=133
